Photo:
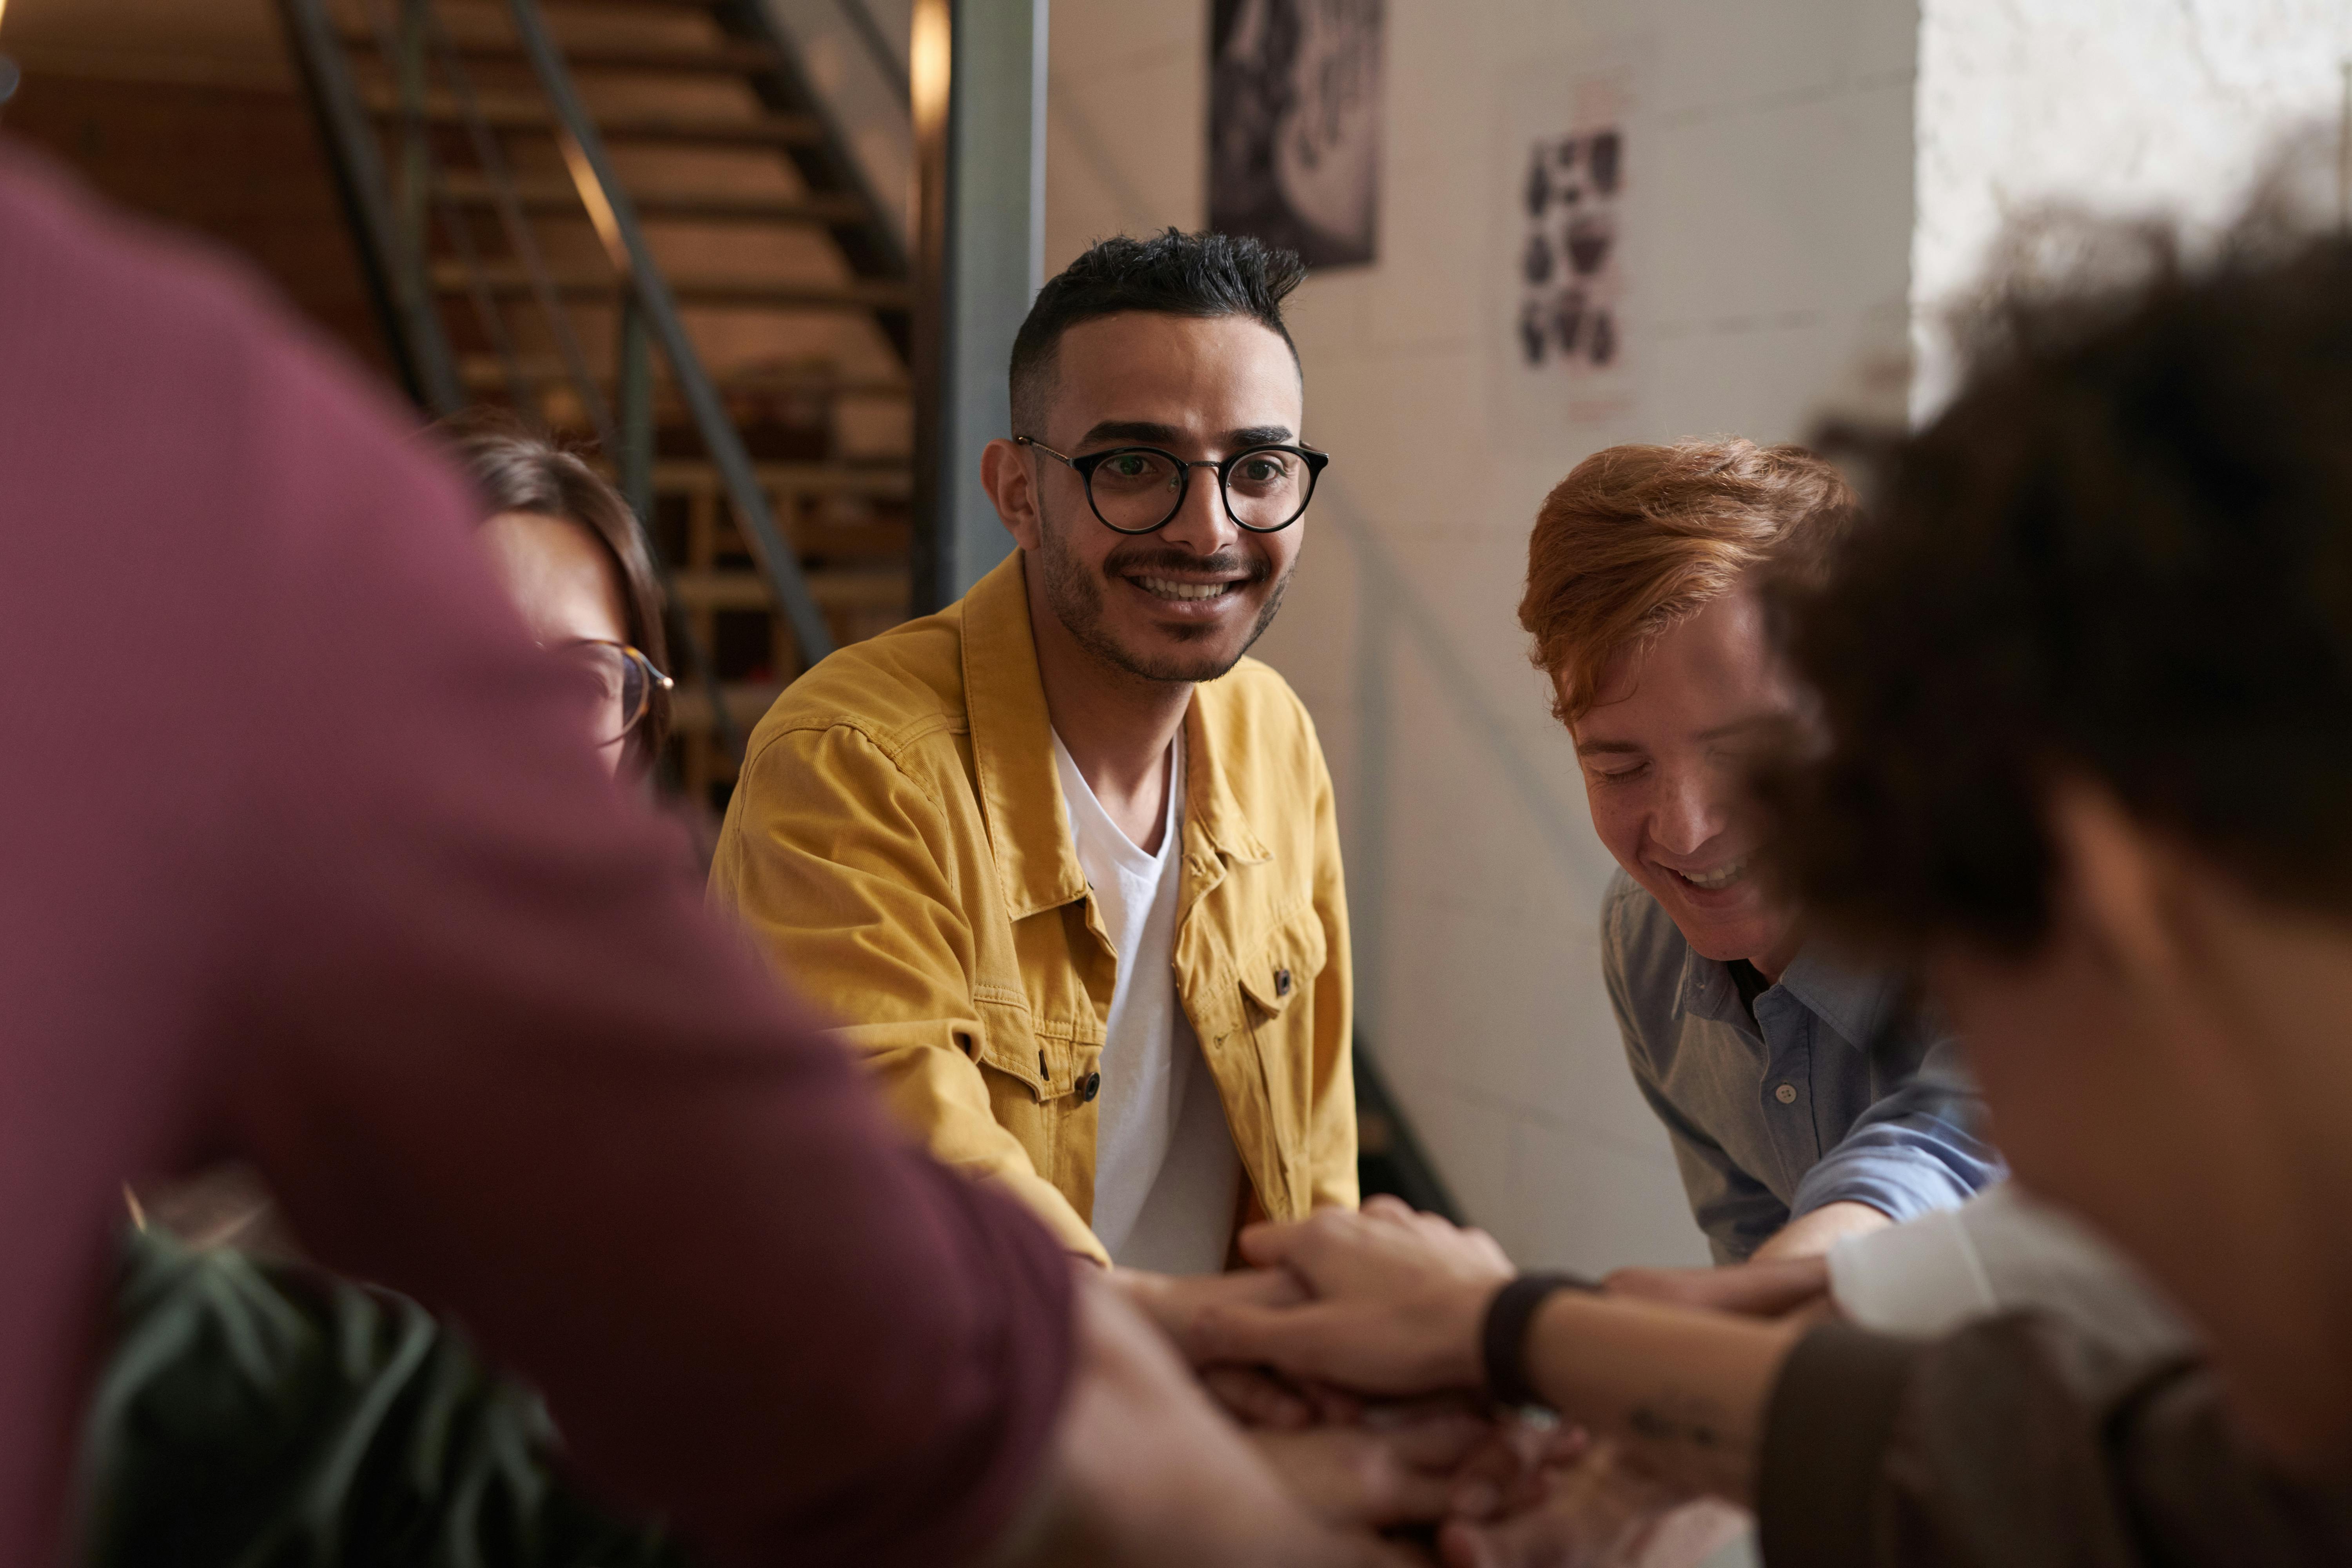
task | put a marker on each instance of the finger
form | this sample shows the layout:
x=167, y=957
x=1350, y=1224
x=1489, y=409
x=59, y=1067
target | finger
x=1335, y=1406
x=1269, y=1243
x=1299, y=1341
x=1355, y=1345
x=1585, y=1525
x=1438, y=1441
x=1257, y=1398
x=1383, y=1206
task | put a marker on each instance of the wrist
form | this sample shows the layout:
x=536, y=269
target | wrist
x=1505, y=1334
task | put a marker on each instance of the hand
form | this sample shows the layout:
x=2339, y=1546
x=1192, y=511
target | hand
x=1175, y=1301
x=1261, y=1399
x=1765, y=1289
x=1399, y=1466
x=1142, y=1472
x=1399, y=1297
x=1597, y=1513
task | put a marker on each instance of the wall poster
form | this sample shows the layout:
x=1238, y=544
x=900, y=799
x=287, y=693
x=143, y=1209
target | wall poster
x=1564, y=311
x=1294, y=124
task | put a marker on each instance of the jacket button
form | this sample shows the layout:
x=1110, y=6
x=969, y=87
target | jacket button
x=1092, y=1087
x=1786, y=1094
x=1282, y=983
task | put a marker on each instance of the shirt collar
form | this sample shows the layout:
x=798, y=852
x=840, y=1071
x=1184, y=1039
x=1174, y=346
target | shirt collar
x=1854, y=1003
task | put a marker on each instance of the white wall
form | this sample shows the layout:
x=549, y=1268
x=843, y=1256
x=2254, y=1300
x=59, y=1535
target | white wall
x=1769, y=169
x=2124, y=106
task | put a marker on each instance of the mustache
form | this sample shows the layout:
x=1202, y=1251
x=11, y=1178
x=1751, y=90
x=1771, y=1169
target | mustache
x=1140, y=560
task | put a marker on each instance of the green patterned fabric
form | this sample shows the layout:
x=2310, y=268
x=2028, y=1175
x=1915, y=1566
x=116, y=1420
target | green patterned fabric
x=267, y=1416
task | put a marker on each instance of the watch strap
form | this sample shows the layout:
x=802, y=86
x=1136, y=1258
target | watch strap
x=1503, y=1340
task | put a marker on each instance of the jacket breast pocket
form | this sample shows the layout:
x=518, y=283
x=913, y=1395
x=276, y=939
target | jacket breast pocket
x=1278, y=975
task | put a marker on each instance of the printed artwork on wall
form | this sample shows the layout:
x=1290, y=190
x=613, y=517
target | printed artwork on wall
x=1566, y=348
x=1572, y=278
x=1294, y=124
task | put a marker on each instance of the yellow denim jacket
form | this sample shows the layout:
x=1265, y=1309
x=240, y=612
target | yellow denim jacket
x=899, y=844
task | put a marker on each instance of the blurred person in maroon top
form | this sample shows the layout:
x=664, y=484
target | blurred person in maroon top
x=305, y=860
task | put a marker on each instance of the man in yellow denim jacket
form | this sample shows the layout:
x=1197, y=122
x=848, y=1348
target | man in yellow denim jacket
x=910, y=838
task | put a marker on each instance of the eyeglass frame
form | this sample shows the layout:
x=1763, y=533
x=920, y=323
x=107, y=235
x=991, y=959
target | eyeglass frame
x=637, y=656
x=1086, y=463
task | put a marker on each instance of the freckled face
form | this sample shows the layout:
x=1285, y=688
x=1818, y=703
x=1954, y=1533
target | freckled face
x=1665, y=752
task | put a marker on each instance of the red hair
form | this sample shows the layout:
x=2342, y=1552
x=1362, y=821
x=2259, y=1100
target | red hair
x=1637, y=538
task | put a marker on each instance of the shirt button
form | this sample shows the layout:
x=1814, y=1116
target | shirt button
x=1092, y=1087
x=1786, y=1094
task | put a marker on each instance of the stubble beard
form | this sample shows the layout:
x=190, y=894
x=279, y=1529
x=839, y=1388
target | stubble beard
x=1074, y=592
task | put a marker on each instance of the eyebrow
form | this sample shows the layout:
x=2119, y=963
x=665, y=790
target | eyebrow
x=1627, y=748
x=1168, y=435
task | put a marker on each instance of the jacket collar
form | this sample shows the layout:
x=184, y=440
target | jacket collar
x=1209, y=809
x=1012, y=756
x=1012, y=747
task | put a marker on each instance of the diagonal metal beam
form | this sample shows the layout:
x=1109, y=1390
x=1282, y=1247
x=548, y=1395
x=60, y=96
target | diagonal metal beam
x=394, y=263
x=616, y=219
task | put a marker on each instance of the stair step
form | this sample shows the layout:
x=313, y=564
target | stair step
x=673, y=6
x=510, y=279
x=560, y=197
x=487, y=372
x=832, y=590
x=695, y=476
x=729, y=56
x=522, y=112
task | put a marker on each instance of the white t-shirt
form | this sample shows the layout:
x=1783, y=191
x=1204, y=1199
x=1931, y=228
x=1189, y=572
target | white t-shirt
x=1165, y=1176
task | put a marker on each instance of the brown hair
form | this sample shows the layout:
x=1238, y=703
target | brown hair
x=516, y=467
x=1638, y=538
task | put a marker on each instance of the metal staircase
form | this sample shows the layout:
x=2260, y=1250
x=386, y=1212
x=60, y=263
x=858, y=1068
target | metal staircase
x=637, y=221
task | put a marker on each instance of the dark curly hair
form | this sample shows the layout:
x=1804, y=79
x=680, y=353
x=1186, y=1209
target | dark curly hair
x=1171, y=273
x=2125, y=551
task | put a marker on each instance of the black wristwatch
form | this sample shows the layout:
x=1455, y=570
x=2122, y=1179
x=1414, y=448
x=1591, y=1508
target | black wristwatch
x=1503, y=1340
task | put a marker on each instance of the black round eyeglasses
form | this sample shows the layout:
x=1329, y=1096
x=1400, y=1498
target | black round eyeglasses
x=1140, y=490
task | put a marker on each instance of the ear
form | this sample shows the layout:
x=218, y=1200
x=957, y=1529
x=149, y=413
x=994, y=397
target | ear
x=1011, y=480
x=2117, y=879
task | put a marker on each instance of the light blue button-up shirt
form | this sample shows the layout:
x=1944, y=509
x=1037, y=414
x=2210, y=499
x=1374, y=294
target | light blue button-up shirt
x=1806, y=1105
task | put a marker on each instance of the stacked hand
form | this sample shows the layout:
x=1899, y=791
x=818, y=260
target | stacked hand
x=1351, y=1350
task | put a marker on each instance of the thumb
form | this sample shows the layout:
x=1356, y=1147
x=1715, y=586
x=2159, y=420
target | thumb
x=1270, y=1243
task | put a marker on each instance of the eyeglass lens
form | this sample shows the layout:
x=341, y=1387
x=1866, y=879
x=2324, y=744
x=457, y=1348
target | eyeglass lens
x=614, y=688
x=1135, y=489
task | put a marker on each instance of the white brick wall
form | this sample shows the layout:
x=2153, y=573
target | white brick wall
x=2127, y=106
x=1770, y=165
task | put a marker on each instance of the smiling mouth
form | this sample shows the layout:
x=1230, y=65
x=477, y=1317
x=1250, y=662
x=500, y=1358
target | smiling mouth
x=1714, y=881
x=1177, y=592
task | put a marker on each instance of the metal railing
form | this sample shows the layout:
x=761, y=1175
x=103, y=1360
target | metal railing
x=654, y=313
x=390, y=220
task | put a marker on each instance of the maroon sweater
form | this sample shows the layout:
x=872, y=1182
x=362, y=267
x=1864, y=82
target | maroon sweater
x=300, y=861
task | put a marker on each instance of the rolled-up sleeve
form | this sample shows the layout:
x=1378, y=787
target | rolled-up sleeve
x=1915, y=1151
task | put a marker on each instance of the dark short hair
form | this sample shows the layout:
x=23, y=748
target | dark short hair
x=1171, y=273
x=517, y=467
x=2124, y=551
